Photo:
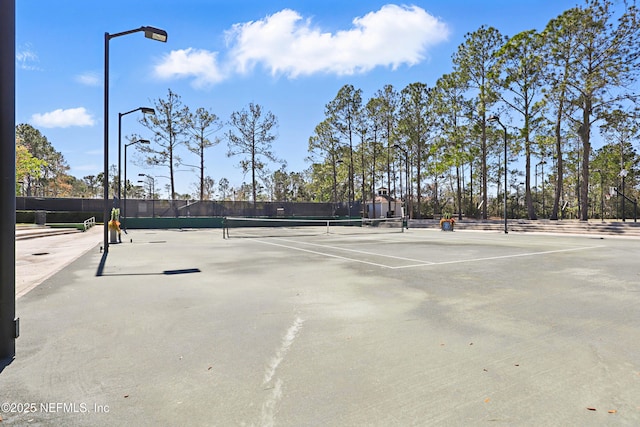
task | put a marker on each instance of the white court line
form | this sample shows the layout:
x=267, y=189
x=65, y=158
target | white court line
x=323, y=253
x=354, y=250
x=288, y=339
x=269, y=405
x=422, y=263
x=499, y=257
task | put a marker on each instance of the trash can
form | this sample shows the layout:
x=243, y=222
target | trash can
x=446, y=224
x=41, y=217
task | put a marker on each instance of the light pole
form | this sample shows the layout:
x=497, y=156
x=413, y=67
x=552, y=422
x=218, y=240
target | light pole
x=601, y=194
x=515, y=211
x=497, y=120
x=544, y=209
x=124, y=202
x=540, y=163
x=145, y=110
x=150, y=33
x=623, y=175
x=152, y=183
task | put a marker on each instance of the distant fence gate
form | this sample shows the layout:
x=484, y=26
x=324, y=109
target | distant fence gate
x=144, y=208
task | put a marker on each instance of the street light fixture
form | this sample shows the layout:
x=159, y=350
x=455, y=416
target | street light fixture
x=124, y=203
x=155, y=34
x=496, y=119
x=150, y=181
x=140, y=181
x=150, y=33
x=145, y=110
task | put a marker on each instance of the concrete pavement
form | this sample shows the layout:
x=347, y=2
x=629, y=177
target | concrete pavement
x=415, y=328
x=39, y=258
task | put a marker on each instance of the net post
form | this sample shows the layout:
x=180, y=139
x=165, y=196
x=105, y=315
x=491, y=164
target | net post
x=224, y=228
x=327, y=226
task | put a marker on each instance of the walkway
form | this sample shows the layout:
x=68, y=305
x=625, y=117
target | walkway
x=40, y=257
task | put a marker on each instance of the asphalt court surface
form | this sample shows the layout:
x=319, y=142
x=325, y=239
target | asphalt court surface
x=183, y=327
x=421, y=248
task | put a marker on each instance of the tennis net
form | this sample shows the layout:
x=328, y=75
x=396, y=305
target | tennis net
x=238, y=227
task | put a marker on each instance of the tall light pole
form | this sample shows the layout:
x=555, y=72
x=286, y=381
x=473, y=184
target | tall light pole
x=601, y=194
x=623, y=175
x=150, y=33
x=544, y=210
x=145, y=110
x=124, y=203
x=497, y=120
x=150, y=182
x=152, y=190
x=8, y=321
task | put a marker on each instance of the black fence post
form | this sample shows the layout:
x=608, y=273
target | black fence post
x=8, y=321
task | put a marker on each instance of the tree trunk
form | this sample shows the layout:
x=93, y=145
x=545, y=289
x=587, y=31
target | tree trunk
x=531, y=211
x=201, y=172
x=484, y=167
x=352, y=185
x=559, y=166
x=585, y=136
x=364, y=181
x=418, y=181
x=459, y=189
x=253, y=174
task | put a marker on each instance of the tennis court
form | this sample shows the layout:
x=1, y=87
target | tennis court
x=357, y=326
x=519, y=328
x=384, y=243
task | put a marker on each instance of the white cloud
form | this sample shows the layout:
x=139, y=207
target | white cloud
x=89, y=79
x=26, y=58
x=190, y=62
x=285, y=43
x=63, y=118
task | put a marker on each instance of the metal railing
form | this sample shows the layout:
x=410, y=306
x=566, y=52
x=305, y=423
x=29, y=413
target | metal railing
x=88, y=223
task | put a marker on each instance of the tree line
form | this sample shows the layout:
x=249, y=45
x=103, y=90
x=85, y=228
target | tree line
x=550, y=89
x=440, y=148
x=42, y=171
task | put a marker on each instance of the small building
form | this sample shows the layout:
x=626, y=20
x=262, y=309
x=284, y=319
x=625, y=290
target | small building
x=383, y=206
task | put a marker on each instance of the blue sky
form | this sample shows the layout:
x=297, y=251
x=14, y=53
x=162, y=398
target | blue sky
x=291, y=57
